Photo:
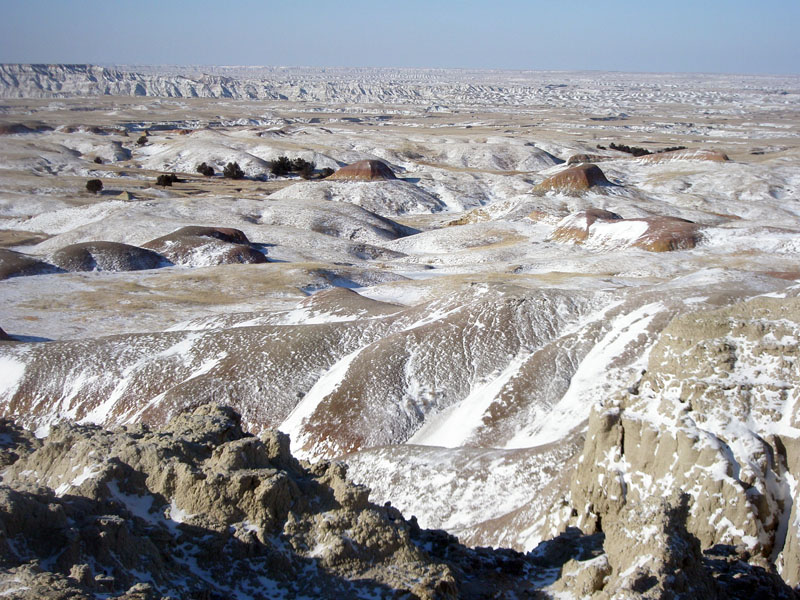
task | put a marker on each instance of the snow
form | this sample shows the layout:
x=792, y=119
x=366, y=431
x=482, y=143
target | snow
x=11, y=373
x=326, y=384
x=455, y=425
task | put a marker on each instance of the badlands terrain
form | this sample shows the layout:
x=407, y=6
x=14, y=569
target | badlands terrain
x=506, y=327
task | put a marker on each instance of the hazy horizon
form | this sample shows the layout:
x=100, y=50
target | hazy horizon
x=719, y=37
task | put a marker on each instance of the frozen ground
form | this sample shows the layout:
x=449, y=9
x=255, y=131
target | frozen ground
x=426, y=326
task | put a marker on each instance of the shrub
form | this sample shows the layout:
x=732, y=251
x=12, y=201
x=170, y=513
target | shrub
x=167, y=180
x=94, y=185
x=98, y=160
x=205, y=169
x=233, y=171
x=281, y=166
x=326, y=172
x=142, y=140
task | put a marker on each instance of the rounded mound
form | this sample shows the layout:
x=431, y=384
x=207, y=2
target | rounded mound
x=16, y=264
x=604, y=229
x=364, y=170
x=206, y=246
x=106, y=256
x=575, y=179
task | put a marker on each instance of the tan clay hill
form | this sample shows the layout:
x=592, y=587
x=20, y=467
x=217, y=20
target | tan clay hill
x=364, y=170
x=575, y=179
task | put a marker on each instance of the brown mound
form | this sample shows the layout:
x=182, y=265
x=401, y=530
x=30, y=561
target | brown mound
x=668, y=233
x=16, y=128
x=17, y=237
x=16, y=264
x=197, y=245
x=364, y=170
x=712, y=155
x=661, y=234
x=575, y=179
x=576, y=227
x=577, y=159
x=106, y=256
x=225, y=234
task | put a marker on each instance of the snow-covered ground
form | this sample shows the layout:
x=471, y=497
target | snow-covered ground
x=412, y=325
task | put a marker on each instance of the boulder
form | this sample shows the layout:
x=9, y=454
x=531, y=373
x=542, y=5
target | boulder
x=106, y=256
x=575, y=179
x=364, y=170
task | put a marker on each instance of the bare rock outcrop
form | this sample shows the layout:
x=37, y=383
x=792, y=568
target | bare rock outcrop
x=201, y=509
x=205, y=246
x=364, y=170
x=106, y=256
x=574, y=179
x=602, y=228
x=712, y=428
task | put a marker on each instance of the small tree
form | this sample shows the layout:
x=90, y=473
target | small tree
x=281, y=166
x=205, y=169
x=233, y=171
x=167, y=180
x=94, y=185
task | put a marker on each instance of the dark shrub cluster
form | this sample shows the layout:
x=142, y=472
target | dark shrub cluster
x=638, y=151
x=233, y=171
x=94, y=185
x=326, y=172
x=635, y=150
x=142, y=140
x=283, y=165
x=167, y=180
x=205, y=169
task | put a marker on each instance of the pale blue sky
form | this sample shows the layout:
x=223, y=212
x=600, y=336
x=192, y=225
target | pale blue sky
x=731, y=36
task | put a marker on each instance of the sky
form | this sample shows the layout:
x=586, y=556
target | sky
x=709, y=36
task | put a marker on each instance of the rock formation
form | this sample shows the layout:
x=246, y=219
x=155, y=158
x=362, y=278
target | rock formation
x=364, y=170
x=574, y=179
x=696, y=463
x=201, y=509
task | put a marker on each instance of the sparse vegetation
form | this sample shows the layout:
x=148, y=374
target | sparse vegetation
x=283, y=165
x=233, y=171
x=326, y=172
x=98, y=160
x=638, y=151
x=167, y=180
x=142, y=140
x=94, y=186
x=205, y=169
